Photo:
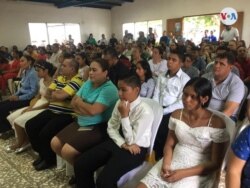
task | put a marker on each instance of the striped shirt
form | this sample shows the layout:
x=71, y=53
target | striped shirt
x=70, y=87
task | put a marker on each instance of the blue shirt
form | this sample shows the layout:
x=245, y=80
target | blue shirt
x=241, y=148
x=106, y=94
x=29, y=85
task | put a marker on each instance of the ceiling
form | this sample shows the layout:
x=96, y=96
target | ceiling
x=103, y=4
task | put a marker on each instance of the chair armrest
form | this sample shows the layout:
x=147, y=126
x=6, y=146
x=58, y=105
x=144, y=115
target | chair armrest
x=150, y=158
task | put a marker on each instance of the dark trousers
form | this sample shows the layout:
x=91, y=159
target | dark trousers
x=161, y=136
x=117, y=162
x=42, y=128
x=5, y=108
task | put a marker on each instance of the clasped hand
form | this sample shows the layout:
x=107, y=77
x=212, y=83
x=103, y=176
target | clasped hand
x=171, y=176
x=13, y=98
x=133, y=148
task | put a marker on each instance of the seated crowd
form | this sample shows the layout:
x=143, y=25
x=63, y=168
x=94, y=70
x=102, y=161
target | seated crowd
x=85, y=105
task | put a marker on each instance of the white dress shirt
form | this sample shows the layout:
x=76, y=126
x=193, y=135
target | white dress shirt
x=136, y=127
x=168, y=91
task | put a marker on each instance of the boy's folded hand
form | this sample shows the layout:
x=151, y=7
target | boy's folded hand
x=124, y=108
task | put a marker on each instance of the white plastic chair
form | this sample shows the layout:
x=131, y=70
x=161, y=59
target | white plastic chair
x=241, y=127
x=132, y=178
x=231, y=129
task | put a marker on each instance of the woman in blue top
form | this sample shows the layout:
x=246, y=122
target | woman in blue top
x=238, y=167
x=93, y=103
x=28, y=89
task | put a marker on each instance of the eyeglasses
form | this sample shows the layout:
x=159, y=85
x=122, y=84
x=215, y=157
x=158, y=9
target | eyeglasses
x=38, y=68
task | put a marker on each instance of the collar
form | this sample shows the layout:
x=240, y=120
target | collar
x=178, y=74
x=227, y=80
x=135, y=103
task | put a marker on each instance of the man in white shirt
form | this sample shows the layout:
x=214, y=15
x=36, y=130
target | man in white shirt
x=54, y=59
x=129, y=130
x=168, y=92
x=103, y=41
x=229, y=33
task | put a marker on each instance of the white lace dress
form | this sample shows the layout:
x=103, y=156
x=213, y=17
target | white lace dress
x=193, y=148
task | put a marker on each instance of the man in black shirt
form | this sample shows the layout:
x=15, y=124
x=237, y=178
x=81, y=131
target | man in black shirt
x=117, y=69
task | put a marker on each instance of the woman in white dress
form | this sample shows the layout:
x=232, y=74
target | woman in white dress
x=195, y=145
x=19, y=117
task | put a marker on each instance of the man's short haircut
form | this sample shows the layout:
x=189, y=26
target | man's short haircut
x=110, y=51
x=73, y=63
x=227, y=55
x=223, y=47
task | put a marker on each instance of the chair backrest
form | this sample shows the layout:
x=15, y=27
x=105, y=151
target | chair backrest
x=241, y=127
x=158, y=114
x=230, y=124
x=231, y=129
x=242, y=101
x=141, y=170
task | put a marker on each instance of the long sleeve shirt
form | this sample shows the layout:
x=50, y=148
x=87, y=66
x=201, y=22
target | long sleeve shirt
x=136, y=128
x=168, y=91
x=29, y=85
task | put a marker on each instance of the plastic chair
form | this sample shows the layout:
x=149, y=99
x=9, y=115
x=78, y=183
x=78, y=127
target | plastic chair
x=230, y=126
x=231, y=129
x=241, y=127
x=132, y=178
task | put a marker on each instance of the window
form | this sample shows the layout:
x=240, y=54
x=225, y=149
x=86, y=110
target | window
x=130, y=27
x=42, y=34
x=38, y=34
x=134, y=28
x=141, y=26
x=195, y=27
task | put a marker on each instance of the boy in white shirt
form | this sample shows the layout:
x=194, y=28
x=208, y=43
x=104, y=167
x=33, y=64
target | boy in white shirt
x=129, y=130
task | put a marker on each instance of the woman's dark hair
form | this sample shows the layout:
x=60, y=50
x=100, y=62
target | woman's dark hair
x=45, y=66
x=29, y=58
x=202, y=88
x=145, y=65
x=188, y=56
x=131, y=80
x=84, y=57
x=103, y=64
x=159, y=48
x=110, y=51
x=140, y=48
x=243, y=43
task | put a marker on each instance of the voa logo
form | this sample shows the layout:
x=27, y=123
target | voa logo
x=228, y=16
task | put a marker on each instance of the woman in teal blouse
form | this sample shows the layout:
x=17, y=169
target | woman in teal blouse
x=93, y=103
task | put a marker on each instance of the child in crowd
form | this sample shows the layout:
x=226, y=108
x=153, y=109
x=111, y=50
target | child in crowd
x=129, y=130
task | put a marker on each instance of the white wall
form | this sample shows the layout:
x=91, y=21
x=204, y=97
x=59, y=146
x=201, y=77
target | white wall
x=142, y=10
x=15, y=16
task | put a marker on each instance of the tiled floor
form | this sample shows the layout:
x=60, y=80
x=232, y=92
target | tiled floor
x=16, y=170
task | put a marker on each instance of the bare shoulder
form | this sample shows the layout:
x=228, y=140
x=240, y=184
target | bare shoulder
x=217, y=122
x=176, y=114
